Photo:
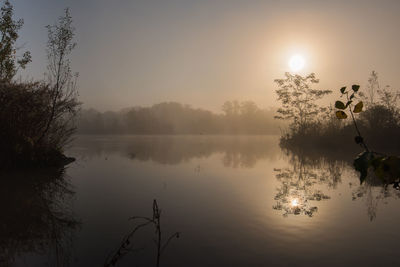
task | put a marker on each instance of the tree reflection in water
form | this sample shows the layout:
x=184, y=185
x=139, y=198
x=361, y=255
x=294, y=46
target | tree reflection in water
x=237, y=151
x=301, y=184
x=373, y=191
x=36, y=216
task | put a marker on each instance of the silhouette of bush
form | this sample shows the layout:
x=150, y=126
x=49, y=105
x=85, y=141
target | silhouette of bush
x=24, y=109
x=379, y=122
x=36, y=118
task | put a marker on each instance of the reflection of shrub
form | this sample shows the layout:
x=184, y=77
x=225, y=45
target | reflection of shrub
x=374, y=192
x=40, y=220
x=301, y=185
x=24, y=112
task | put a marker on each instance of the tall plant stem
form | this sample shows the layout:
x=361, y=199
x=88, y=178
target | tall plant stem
x=356, y=126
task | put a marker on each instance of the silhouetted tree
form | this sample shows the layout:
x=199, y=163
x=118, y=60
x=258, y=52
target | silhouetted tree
x=231, y=108
x=63, y=103
x=9, y=62
x=382, y=111
x=298, y=100
x=389, y=98
x=386, y=95
x=372, y=88
x=37, y=118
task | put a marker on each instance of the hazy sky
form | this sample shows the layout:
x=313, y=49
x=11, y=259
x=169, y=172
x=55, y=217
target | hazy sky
x=203, y=52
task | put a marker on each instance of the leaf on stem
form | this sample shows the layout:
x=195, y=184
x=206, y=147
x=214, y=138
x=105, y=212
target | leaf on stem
x=341, y=115
x=358, y=108
x=340, y=105
x=355, y=87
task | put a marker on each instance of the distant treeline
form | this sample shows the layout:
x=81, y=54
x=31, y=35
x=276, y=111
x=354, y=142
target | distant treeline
x=175, y=118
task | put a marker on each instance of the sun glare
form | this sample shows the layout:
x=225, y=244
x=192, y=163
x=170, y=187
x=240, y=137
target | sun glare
x=296, y=63
x=294, y=202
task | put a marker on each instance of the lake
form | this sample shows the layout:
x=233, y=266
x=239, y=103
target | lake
x=235, y=201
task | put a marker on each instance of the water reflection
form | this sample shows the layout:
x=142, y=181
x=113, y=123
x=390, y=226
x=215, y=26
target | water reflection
x=374, y=192
x=302, y=184
x=226, y=213
x=238, y=151
x=36, y=216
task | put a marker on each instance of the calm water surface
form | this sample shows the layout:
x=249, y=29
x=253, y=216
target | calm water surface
x=237, y=201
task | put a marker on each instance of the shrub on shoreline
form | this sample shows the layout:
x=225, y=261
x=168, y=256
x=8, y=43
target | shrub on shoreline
x=36, y=118
x=24, y=114
x=379, y=122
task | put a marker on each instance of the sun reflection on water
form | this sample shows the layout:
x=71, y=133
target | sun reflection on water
x=294, y=202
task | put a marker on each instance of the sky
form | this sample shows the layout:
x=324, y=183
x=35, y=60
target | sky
x=205, y=52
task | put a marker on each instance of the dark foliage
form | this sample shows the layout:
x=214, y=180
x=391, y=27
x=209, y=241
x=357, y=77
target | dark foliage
x=36, y=118
x=378, y=121
x=23, y=109
x=9, y=61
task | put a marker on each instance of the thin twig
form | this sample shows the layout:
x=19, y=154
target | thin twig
x=169, y=239
x=124, y=248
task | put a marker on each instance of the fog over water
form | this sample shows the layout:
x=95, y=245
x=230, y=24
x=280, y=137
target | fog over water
x=203, y=53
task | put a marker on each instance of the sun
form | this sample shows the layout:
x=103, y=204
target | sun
x=297, y=62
